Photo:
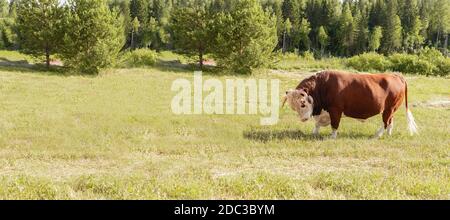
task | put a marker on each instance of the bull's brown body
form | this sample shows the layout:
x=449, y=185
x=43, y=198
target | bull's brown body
x=359, y=96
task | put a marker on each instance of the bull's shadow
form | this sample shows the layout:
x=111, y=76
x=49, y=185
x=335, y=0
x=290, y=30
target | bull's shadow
x=266, y=135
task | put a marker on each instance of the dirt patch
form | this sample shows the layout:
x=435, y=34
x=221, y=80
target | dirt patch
x=56, y=63
x=209, y=63
x=434, y=104
x=291, y=74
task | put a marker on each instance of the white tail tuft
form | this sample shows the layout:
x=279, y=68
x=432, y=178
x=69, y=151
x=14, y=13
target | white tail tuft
x=412, y=126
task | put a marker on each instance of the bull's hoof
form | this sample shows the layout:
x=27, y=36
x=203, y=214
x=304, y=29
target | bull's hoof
x=333, y=134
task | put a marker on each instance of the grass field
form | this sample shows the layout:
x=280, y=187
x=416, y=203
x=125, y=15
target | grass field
x=113, y=136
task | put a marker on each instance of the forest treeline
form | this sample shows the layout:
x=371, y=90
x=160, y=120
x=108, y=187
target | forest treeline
x=238, y=33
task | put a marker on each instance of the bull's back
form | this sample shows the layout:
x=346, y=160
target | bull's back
x=364, y=95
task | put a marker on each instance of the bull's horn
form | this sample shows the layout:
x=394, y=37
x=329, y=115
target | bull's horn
x=284, y=99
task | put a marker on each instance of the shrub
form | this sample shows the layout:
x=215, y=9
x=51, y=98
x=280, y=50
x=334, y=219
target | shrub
x=292, y=61
x=443, y=67
x=369, y=61
x=138, y=58
x=429, y=61
x=407, y=63
x=434, y=56
x=288, y=56
x=430, y=54
x=308, y=55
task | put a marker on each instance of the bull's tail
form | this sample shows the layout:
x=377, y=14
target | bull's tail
x=412, y=126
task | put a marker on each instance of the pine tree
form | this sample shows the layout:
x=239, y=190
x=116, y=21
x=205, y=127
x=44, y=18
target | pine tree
x=412, y=26
x=246, y=37
x=191, y=29
x=4, y=8
x=351, y=26
x=139, y=11
x=408, y=13
x=159, y=37
x=413, y=39
x=94, y=36
x=275, y=8
x=331, y=11
x=392, y=29
x=346, y=32
x=292, y=11
x=375, y=38
x=39, y=25
x=425, y=8
x=303, y=34
x=287, y=33
x=314, y=16
x=123, y=6
x=361, y=32
x=322, y=38
x=135, y=25
x=377, y=14
x=8, y=35
x=218, y=6
x=440, y=22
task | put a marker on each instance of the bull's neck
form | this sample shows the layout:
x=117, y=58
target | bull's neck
x=317, y=104
x=310, y=85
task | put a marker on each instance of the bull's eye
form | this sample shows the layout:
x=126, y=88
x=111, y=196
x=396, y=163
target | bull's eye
x=303, y=95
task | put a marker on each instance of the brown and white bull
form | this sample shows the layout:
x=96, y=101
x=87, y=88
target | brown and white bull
x=328, y=95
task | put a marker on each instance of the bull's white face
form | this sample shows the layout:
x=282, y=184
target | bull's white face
x=300, y=102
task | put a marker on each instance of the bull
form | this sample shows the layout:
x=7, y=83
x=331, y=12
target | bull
x=329, y=95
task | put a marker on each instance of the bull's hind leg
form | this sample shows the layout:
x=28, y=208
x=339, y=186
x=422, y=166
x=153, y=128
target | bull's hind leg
x=390, y=126
x=387, y=123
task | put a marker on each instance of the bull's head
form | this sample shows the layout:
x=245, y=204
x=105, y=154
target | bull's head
x=301, y=102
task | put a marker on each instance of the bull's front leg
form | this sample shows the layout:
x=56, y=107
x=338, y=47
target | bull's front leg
x=335, y=117
x=316, y=129
x=322, y=120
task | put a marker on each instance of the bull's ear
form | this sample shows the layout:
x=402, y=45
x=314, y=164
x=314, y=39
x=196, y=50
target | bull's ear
x=310, y=100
